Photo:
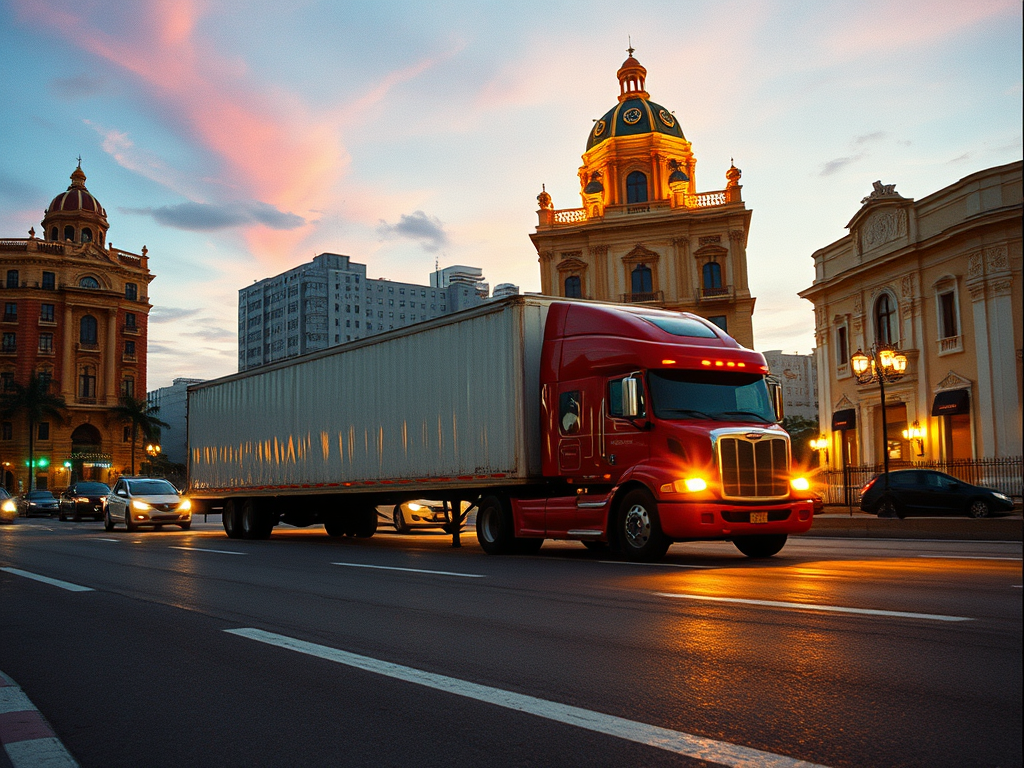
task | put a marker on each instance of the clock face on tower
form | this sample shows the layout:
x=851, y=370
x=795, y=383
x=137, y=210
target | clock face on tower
x=666, y=118
x=632, y=116
x=599, y=128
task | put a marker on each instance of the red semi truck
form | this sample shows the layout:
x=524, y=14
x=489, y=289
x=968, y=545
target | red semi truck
x=620, y=426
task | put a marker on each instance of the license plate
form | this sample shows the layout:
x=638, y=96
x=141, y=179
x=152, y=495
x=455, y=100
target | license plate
x=759, y=517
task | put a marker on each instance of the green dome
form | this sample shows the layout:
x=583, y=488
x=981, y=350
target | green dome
x=633, y=117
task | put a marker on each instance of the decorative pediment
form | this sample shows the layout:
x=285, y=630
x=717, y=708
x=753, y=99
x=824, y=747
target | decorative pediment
x=711, y=251
x=843, y=404
x=640, y=255
x=953, y=380
x=571, y=264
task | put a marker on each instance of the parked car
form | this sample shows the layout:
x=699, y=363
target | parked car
x=8, y=507
x=138, y=501
x=929, y=492
x=84, y=499
x=37, y=503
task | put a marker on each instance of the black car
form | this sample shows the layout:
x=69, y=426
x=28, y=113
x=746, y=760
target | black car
x=37, y=503
x=928, y=492
x=84, y=499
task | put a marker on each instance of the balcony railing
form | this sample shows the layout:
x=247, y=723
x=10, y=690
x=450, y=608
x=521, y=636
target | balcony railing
x=642, y=298
x=951, y=344
x=718, y=293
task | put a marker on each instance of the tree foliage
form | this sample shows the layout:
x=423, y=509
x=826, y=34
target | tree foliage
x=36, y=403
x=141, y=417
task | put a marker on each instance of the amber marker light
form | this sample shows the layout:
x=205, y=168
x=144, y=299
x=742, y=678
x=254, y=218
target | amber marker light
x=668, y=362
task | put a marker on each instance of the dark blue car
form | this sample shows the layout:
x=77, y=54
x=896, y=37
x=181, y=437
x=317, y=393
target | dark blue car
x=928, y=492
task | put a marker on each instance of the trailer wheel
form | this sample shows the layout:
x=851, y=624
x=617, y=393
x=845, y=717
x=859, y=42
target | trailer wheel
x=637, y=528
x=364, y=525
x=230, y=517
x=335, y=526
x=762, y=546
x=494, y=529
x=255, y=521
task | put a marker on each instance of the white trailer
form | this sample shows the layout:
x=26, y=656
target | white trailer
x=440, y=410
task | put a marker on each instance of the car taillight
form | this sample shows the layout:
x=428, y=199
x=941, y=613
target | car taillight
x=868, y=486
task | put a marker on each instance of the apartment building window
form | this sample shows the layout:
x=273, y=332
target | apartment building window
x=948, y=327
x=46, y=343
x=87, y=330
x=45, y=380
x=6, y=381
x=128, y=387
x=88, y=282
x=46, y=313
x=573, y=287
x=842, y=346
x=12, y=278
x=131, y=291
x=10, y=312
x=10, y=343
x=43, y=432
x=885, y=320
x=87, y=383
x=721, y=321
x=49, y=281
x=7, y=431
x=129, y=349
x=129, y=321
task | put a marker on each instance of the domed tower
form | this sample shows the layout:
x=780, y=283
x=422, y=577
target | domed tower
x=644, y=234
x=76, y=215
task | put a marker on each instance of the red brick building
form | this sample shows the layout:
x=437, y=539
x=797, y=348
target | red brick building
x=75, y=312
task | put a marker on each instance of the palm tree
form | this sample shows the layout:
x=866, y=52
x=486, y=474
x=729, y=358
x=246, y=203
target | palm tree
x=142, y=418
x=35, y=401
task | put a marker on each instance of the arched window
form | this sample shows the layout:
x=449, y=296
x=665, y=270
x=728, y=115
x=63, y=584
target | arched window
x=54, y=233
x=88, y=282
x=636, y=187
x=86, y=235
x=87, y=330
x=642, y=279
x=573, y=287
x=69, y=232
x=712, y=275
x=87, y=382
x=885, y=320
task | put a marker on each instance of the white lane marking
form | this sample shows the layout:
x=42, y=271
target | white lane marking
x=47, y=751
x=813, y=607
x=412, y=570
x=678, y=742
x=217, y=551
x=970, y=557
x=102, y=539
x=47, y=580
x=663, y=565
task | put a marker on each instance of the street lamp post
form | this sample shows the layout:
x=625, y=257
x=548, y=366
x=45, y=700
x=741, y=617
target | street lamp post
x=884, y=364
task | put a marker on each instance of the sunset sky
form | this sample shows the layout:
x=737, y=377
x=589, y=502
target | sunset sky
x=238, y=139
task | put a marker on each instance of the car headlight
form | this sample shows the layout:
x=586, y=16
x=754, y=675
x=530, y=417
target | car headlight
x=9, y=506
x=412, y=506
x=185, y=505
x=140, y=505
x=1002, y=496
x=82, y=499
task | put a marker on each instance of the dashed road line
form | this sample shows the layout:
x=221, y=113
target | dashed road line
x=27, y=737
x=413, y=570
x=970, y=557
x=203, y=549
x=816, y=607
x=661, y=565
x=677, y=742
x=47, y=580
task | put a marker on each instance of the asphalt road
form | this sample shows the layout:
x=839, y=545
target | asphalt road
x=193, y=649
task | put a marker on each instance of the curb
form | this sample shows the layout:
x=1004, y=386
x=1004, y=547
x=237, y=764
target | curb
x=27, y=737
x=859, y=525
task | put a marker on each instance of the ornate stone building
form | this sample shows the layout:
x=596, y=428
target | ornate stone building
x=643, y=233
x=75, y=314
x=940, y=277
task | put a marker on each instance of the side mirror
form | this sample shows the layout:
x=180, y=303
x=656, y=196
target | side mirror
x=630, y=398
x=775, y=393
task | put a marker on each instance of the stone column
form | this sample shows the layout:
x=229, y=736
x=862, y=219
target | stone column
x=67, y=373
x=1003, y=360
x=110, y=392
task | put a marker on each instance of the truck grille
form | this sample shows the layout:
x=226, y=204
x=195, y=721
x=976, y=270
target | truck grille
x=754, y=469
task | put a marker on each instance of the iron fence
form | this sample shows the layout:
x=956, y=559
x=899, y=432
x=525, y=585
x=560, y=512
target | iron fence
x=1006, y=475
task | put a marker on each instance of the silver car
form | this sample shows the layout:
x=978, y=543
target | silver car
x=138, y=501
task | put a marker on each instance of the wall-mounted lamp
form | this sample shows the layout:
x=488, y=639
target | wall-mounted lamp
x=915, y=434
x=820, y=444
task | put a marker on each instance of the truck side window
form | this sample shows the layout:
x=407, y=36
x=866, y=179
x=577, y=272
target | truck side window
x=615, y=398
x=569, y=411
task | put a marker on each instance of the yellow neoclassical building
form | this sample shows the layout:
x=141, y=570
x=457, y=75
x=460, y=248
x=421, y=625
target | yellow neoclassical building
x=939, y=277
x=643, y=233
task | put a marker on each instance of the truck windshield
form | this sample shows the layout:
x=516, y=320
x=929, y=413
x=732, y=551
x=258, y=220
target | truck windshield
x=713, y=395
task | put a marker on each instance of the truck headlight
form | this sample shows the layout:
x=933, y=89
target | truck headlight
x=800, y=484
x=686, y=485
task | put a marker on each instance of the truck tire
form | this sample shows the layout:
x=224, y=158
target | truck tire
x=364, y=523
x=494, y=528
x=230, y=517
x=256, y=522
x=336, y=526
x=637, y=528
x=759, y=547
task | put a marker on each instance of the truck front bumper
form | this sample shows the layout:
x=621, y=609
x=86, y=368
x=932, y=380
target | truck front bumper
x=718, y=519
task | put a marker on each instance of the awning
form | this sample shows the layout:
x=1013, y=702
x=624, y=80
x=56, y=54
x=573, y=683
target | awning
x=952, y=402
x=846, y=419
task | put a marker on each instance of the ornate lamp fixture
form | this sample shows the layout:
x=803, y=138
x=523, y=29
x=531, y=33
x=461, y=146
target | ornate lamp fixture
x=820, y=443
x=915, y=434
x=884, y=364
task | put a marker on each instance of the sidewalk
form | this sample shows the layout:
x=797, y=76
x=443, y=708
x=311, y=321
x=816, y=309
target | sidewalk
x=839, y=522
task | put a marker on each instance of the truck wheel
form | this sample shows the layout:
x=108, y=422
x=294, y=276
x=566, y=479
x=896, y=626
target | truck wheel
x=255, y=521
x=399, y=520
x=494, y=529
x=230, y=515
x=336, y=526
x=365, y=523
x=637, y=528
x=760, y=546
